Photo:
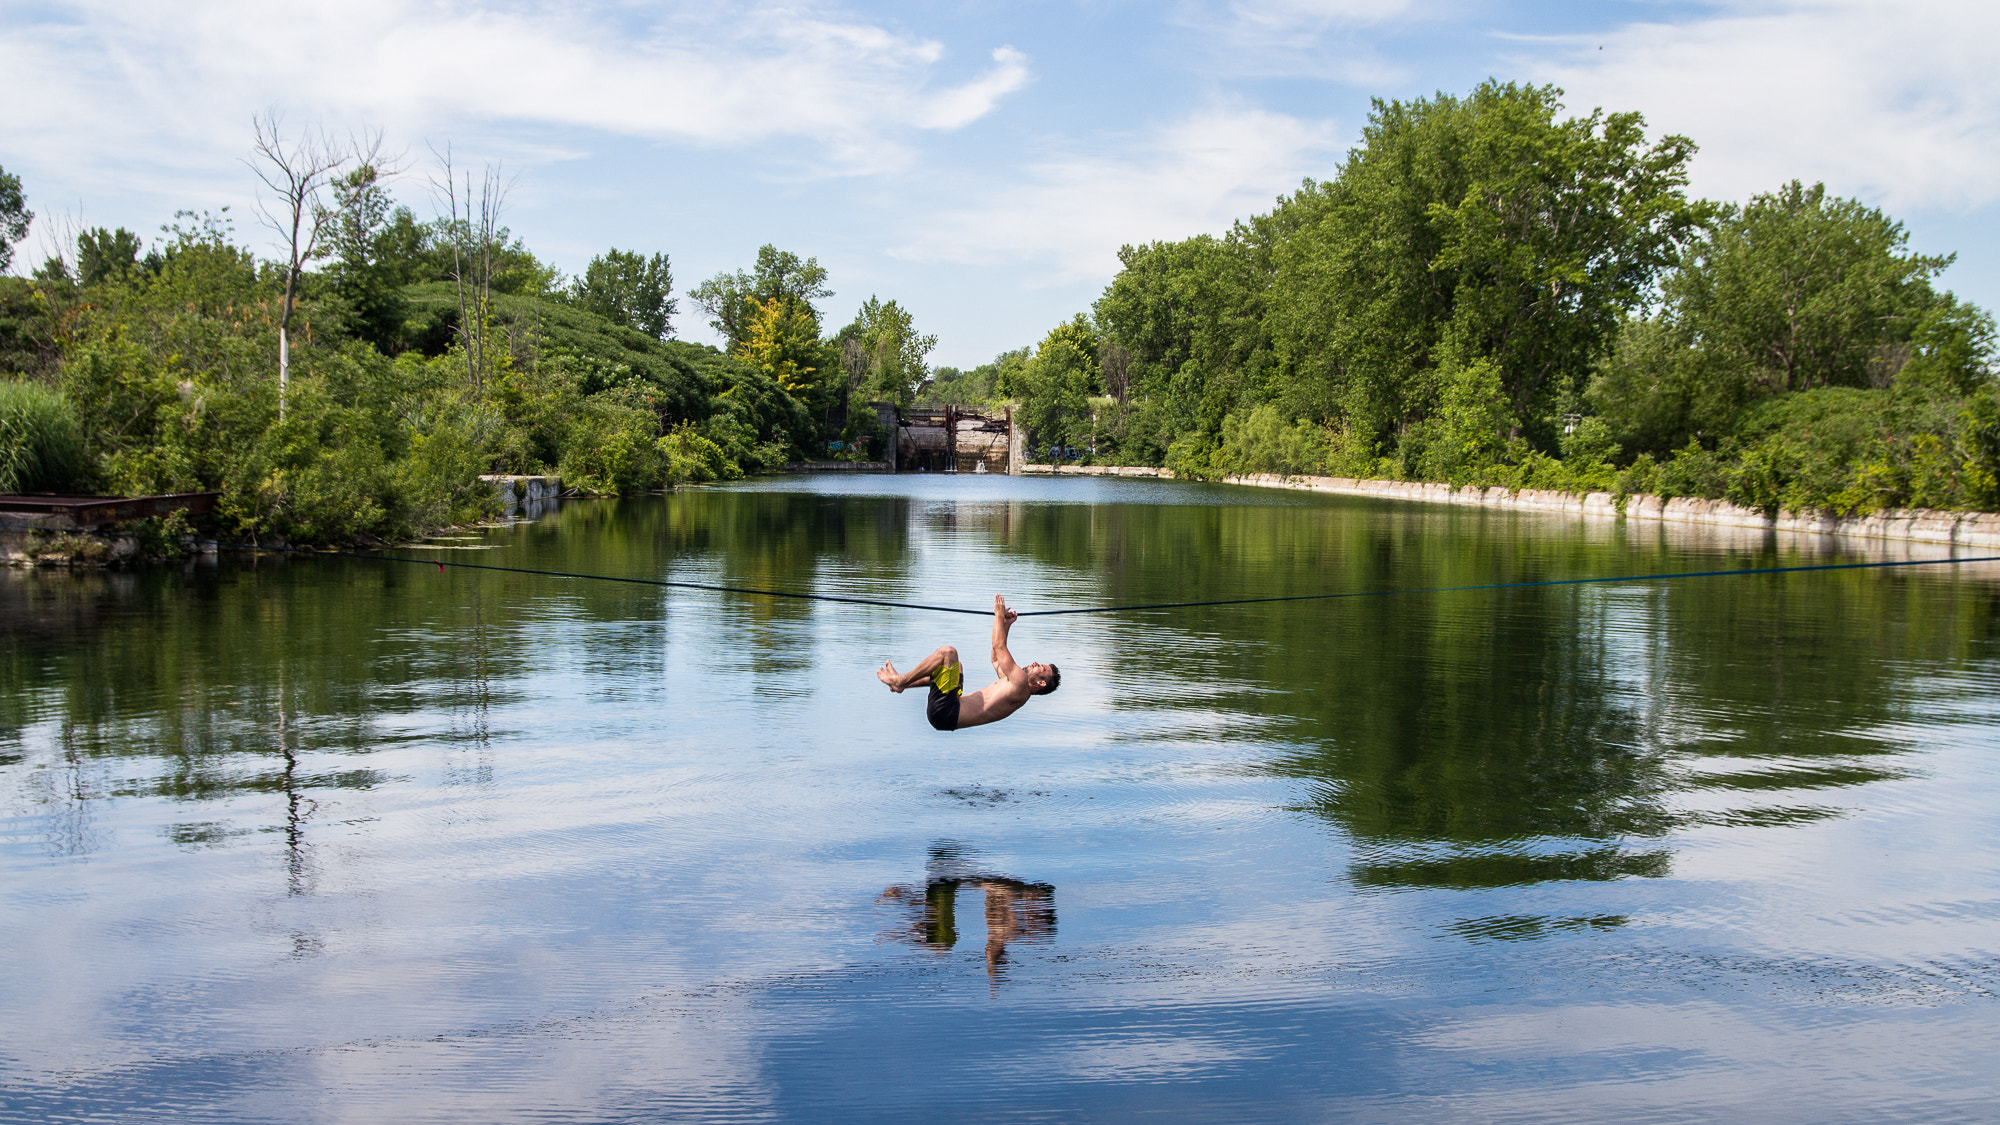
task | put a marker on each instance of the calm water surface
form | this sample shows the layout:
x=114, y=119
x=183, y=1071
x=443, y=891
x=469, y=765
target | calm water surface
x=333, y=840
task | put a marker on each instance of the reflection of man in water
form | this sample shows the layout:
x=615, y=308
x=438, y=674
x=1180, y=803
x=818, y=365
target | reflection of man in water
x=1015, y=912
x=942, y=673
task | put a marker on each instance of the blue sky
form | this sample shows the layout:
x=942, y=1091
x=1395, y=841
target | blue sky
x=979, y=162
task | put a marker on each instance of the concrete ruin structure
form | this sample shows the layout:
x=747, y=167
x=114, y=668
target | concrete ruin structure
x=957, y=439
x=938, y=439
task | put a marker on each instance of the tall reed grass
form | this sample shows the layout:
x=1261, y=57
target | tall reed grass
x=41, y=445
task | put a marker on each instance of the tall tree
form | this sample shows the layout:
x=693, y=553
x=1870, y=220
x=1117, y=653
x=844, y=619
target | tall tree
x=1797, y=290
x=367, y=271
x=1793, y=291
x=14, y=216
x=732, y=300
x=1054, y=387
x=1467, y=229
x=1191, y=315
x=628, y=288
x=102, y=255
x=883, y=353
x=782, y=341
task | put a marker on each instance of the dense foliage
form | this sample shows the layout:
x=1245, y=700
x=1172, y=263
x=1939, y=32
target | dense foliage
x=1487, y=292
x=422, y=354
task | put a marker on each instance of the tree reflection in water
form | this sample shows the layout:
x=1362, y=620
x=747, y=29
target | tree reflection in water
x=1016, y=911
x=1494, y=738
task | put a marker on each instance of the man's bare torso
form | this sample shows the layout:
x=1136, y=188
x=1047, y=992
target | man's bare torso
x=995, y=701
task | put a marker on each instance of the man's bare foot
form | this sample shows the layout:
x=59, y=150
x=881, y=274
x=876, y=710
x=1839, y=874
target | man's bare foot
x=887, y=674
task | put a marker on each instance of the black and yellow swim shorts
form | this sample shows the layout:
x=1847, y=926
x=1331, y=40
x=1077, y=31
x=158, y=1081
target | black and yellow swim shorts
x=946, y=685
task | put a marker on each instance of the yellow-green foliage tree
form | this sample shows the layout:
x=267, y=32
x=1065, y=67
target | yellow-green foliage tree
x=781, y=339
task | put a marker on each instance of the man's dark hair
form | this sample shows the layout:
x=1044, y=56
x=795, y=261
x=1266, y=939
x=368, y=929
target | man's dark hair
x=1055, y=680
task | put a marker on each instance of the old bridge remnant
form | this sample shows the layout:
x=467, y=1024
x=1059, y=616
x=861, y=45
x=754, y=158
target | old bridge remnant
x=957, y=439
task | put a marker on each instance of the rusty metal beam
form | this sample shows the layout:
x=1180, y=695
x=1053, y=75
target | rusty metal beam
x=96, y=511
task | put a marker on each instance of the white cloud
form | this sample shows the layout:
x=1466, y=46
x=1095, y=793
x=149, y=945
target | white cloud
x=959, y=107
x=1294, y=16
x=158, y=75
x=1896, y=103
x=1066, y=217
x=1312, y=39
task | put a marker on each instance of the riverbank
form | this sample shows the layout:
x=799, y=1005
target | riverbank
x=1920, y=525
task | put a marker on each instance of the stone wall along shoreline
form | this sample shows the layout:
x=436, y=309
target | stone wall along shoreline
x=1979, y=530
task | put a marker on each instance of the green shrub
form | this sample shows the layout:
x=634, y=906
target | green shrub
x=1852, y=452
x=368, y=450
x=41, y=444
x=1692, y=471
x=689, y=456
x=1641, y=477
x=1196, y=456
x=1466, y=437
x=611, y=446
x=1264, y=442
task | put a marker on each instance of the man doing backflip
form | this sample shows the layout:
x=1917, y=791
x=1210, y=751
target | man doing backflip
x=948, y=709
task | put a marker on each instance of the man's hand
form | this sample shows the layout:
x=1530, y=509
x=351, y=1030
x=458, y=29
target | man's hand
x=1003, y=661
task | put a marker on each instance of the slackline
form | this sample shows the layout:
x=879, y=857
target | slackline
x=1133, y=608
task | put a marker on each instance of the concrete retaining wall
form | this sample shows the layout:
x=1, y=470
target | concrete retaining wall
x=524, y=488
x=1916, y=525
x=1097, y=471
x=55, y=540
x=836, y=467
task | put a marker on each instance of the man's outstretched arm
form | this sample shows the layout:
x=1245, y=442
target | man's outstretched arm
x=1003, y=619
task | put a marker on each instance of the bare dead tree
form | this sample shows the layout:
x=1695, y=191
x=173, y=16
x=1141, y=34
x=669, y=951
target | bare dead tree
x=474, y=223
x=56, y=236
x=296, y=170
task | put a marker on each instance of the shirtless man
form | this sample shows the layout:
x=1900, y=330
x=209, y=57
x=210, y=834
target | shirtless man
x=941, y=672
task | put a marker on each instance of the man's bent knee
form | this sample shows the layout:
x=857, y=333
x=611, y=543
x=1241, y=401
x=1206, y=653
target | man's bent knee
x=948, y=654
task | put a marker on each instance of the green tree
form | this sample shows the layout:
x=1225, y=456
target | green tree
x=1796, y=290
x=732, y=300
x=1186, y=327
x=1054, y=387
x=1470, y=429
x=1473, y=228
x=882, y=352
x=1654, y=390
x=628, y=288
x=14, y=216
x=370, y=259
x=104, y=255
x=1951, y=350
x=1791, y=292
x=952, y=384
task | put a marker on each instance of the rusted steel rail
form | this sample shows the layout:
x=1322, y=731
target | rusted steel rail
x=96, y=511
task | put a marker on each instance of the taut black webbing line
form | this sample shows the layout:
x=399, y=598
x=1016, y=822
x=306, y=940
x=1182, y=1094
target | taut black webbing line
x=1510, y=585
x=441, y=564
